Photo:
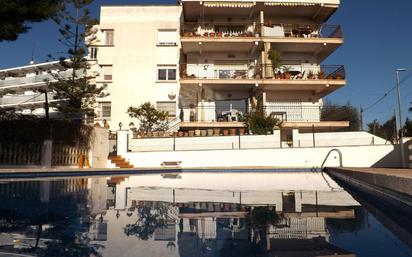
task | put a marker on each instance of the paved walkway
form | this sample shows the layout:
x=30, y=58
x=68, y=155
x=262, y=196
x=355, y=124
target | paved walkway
x=399, y=180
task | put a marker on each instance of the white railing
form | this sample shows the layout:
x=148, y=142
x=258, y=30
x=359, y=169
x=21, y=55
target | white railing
x=293, y=112
x=16, y=81
x=14, y=100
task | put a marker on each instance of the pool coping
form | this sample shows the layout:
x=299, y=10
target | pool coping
x=31, y=172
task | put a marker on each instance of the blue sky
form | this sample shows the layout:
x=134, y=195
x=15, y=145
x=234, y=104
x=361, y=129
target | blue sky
x=378, y=39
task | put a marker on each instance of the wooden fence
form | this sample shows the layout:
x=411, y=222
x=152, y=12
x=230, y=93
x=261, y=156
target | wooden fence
x=23, y=153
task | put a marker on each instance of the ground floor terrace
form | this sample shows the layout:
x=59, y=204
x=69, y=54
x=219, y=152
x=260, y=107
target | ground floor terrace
x=208, y=106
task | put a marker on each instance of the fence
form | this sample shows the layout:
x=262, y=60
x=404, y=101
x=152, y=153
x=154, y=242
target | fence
x=254, y=141
x=23, y=153
x=205, y=143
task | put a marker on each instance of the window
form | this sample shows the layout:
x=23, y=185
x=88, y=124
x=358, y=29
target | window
x=108, y=37
x=107, y=71
x=167, y=37
x=169, y=107
x=105, y=110
x=93, y=52
x=166, y=73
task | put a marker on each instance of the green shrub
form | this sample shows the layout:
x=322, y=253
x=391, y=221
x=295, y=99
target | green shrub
x=261, y=124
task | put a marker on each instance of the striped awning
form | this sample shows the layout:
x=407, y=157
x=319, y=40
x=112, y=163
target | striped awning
x=290, y=4
x=229, y=4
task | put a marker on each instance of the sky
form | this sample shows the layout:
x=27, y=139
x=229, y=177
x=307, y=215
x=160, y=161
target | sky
x=378, y=40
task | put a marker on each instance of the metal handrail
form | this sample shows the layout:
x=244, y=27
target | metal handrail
x=327, y=156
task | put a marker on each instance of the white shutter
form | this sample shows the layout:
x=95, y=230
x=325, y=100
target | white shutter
x=167, y=37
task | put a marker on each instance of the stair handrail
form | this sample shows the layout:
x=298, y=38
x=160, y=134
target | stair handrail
x=327, y=156
x=173, y=124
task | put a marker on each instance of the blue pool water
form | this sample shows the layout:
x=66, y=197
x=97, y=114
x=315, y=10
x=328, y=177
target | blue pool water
x=197, y=214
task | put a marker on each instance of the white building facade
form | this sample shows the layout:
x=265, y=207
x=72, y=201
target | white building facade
x=207, y=62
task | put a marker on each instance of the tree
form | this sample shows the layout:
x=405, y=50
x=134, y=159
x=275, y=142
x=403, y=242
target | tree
x=347, y=112
x=407, y=128
x=77, y=33
x=16, y=14
x=148, y=220
x=149, y=118
x=260, y=124
x=387, y=130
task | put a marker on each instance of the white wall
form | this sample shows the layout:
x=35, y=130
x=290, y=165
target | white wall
x=135, y=56
x=206, y=143
x=337, y=139
x=353, y=156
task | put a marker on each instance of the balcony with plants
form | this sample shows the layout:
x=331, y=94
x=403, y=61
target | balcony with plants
x=220, y=29
x=300, y=30
x=225, y=71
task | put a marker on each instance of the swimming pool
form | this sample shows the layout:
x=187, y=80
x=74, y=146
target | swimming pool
x=196, y=214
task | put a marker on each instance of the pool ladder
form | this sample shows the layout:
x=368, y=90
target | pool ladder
x=327, y=156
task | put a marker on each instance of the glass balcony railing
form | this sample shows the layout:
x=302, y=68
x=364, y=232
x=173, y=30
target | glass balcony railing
x=15, y=81
x=252, y=71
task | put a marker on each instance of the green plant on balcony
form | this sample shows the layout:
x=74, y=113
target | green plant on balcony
x=275, y=57
x=286, y=72
x=260, y=124
x=321, y=74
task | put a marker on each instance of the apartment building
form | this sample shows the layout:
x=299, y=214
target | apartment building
x=209, y=62
x=22, y=88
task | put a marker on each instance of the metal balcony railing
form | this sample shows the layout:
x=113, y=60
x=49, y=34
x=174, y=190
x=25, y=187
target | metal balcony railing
x=259, y=71
x=285, y=112
x=303, y=72
x=15, y=81
x=254, y=29
x=302, y=30
x=220, y=29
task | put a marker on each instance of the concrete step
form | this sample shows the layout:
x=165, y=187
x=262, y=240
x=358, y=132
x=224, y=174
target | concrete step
x=120, y=162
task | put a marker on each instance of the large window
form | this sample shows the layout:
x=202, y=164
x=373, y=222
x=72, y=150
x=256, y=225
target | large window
x=107, y=72
x=167, y=37
x=166, y=73
x=105, y=110
x=167, y=106
x=108, y=37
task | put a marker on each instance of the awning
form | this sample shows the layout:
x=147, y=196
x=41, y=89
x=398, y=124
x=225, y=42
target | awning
x=290, y=4
x=229, y=4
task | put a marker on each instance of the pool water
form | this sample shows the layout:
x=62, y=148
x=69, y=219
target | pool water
x=197, y=214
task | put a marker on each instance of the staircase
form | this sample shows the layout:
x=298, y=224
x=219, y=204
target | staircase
x=173, y=125
x=120, y=162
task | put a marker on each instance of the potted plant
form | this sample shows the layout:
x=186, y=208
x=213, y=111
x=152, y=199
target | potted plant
x=321, y=74
x=191, y=133
x=339, y=76
x=216, y=131
x=275, y=57
x=180, y=133
x=212, y=34
x=220, y=34
x=225, y=132
x=232, y=132
x=286, y=72
x=311, y=75
x=206, y=34
x=241, y=131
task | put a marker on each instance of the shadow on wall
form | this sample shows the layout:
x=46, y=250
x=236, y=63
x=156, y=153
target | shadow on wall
x=393, y=159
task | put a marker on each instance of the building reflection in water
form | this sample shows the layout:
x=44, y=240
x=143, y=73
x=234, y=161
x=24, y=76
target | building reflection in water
x=175, y=215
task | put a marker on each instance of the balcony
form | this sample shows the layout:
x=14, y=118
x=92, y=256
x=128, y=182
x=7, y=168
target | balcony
x=320, y=40
x=32, y=81
x=219, y=36
x=26, y=101
x=320, y=79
